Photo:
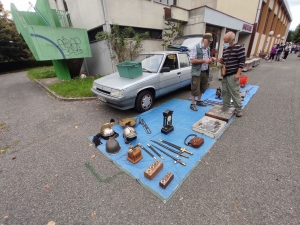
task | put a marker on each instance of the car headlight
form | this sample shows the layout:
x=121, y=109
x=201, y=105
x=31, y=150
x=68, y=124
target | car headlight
x=94, y=85
x=116, y=93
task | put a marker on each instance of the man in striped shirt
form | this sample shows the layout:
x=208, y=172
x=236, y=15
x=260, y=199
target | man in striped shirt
x=234, y=58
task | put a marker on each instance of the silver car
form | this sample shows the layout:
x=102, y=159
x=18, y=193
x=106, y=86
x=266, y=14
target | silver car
x=163, y=72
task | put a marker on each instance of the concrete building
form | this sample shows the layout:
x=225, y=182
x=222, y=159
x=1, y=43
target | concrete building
x=251, y=20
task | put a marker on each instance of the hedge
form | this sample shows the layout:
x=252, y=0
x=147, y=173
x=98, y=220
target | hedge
x=22, y=65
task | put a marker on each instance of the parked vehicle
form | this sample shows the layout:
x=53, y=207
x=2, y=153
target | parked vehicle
x=163, y=72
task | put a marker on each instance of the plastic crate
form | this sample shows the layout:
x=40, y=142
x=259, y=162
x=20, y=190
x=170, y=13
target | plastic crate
x=129, y=69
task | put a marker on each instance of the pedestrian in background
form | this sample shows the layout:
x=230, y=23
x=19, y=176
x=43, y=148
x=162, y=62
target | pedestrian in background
x=272, y=53
x=279, y=50
x=200, y=60
x=286, y=52
x=234, y=58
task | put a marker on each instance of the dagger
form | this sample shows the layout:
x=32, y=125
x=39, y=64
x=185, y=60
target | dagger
x=141, y=146
x=172, y=157
x=176, y=146
x=170, y=149
x=155, y=151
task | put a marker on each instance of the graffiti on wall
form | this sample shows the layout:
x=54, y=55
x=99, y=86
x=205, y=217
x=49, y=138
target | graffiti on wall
x=70, y=46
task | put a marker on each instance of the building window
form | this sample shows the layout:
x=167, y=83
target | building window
x=167, y=2
x=92, y=34
x=153, y=33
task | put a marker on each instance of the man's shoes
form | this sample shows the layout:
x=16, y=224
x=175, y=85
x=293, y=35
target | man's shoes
x=193, y=107
x=239, y=113
x=200, y=103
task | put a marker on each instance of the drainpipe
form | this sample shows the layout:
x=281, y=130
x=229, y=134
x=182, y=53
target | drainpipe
x=107, y=27
x=56, y=5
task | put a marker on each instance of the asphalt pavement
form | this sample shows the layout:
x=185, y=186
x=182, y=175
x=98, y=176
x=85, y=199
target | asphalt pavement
x=51, y=172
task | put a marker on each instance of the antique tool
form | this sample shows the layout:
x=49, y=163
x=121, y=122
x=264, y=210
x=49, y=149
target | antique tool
x=170, y=149
x=155, y=167
x=146, y=128
x=176, y=146
x=166, y=180
x=167, y=122
x=141, y=146
x=172, y=157
x=249, y=89
x=155, y=151
x=134, y=154
x=112, y=146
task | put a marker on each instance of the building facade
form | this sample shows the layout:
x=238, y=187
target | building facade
x=251, y=20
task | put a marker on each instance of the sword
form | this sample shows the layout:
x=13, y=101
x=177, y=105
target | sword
x=172, y=157
x=141, y=146
x=170, y=149
x=176, y=146
x=155, y=151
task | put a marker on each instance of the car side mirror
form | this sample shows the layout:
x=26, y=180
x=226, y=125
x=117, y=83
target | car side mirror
x=165, y=69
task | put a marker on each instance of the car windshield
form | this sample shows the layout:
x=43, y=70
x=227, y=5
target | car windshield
x=150, y=62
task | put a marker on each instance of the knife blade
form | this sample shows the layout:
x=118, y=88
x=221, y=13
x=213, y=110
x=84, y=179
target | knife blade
x=175, y=146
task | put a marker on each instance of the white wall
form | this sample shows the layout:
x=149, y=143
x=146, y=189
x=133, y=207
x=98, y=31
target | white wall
x=101, y=63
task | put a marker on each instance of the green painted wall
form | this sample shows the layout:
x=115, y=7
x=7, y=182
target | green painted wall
x=47, y=40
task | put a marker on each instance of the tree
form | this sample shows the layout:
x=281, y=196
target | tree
x=126, y=43
x=172, y=30
x=296, y=35
x=290, y=36
x=12, y=45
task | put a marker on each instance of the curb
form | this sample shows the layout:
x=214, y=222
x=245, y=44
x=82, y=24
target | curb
x=62, y=98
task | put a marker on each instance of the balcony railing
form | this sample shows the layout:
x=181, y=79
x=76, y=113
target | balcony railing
x=64, y=18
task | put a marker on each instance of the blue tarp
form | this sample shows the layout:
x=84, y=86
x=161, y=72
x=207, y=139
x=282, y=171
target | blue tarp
x=183, y=119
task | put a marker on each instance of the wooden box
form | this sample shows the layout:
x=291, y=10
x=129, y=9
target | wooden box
x=134, y=154
x=155, y=167
x=220, y=112
x=166, y=180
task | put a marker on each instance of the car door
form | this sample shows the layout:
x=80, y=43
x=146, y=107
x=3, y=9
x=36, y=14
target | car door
x=184, y=69
x=169, y=81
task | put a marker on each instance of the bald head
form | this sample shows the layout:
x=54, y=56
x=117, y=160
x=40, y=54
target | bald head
x=229, y=38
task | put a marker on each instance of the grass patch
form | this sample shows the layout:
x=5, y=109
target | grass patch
x=75, y=88
x=41, y=72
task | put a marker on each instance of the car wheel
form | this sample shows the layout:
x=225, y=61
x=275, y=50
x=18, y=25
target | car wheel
x=144, y=101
